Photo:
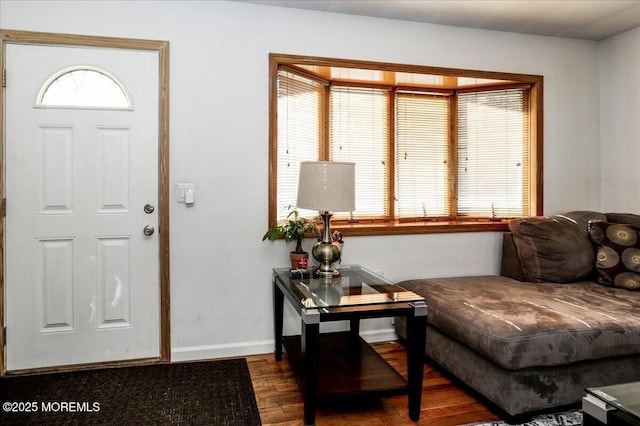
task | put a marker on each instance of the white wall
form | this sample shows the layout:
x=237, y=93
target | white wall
x=620, y=122
x=220, y=268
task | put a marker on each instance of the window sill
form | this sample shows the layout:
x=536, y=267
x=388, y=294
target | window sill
x=426, y=227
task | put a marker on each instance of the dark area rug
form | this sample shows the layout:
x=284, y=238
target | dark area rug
x=568, y=418
x=191, y=393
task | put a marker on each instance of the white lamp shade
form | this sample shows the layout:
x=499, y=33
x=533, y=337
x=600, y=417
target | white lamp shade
x=327, y=186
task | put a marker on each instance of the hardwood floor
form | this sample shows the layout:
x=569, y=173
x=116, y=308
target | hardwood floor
x=443, y=403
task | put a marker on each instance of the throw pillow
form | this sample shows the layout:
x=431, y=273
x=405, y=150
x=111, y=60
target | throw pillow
x=555, y=248
x=618, y=257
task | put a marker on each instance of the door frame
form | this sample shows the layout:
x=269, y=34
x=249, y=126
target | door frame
x=162, y=47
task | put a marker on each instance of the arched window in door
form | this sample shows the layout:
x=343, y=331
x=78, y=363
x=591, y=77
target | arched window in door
x=83, y=87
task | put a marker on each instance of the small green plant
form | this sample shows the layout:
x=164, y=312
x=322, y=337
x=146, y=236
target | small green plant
x=296, y=229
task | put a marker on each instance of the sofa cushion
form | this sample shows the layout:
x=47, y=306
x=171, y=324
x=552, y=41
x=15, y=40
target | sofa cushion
x=618, y=257
x=555, y=248
x=522, y=324
x=628, y=218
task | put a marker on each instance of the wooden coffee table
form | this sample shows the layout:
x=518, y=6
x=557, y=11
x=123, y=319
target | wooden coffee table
x=342, y=364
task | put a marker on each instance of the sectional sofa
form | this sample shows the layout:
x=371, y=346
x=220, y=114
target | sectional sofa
x=563, y=315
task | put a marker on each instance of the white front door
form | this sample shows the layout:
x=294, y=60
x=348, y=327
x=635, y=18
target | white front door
x=81, y=277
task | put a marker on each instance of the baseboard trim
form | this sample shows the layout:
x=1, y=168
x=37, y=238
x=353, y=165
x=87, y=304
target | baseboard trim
x=193, y=353
x=387, y=335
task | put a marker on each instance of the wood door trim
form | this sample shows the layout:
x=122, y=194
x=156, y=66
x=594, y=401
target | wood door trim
x=162, y=47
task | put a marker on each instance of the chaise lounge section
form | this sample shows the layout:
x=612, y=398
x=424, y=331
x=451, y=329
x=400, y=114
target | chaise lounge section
x=554, y=322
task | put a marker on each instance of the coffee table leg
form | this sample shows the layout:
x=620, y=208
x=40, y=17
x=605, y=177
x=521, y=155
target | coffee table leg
x=310, y=348
x=416, y=337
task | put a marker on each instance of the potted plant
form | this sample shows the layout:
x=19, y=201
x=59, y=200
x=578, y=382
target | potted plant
x=296, y=229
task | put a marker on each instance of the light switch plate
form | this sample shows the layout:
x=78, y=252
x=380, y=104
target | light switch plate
x=181, y=190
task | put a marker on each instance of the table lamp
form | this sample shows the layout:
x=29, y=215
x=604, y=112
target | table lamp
x=327, y=186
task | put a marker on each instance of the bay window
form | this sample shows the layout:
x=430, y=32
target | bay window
x=436, y=150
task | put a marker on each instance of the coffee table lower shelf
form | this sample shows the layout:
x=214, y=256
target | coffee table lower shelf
x=348, y=366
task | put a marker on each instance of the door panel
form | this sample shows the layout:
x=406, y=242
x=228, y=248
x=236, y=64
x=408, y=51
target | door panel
x=81, y=278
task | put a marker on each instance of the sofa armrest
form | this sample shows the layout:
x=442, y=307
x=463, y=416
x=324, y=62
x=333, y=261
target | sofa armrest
x=511, y=266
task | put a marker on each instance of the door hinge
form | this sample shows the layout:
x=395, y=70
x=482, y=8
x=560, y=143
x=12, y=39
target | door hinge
x=4, y=336
x=4, y=77
x=4, y=207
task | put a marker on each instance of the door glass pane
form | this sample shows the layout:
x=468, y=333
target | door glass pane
x=83, y=87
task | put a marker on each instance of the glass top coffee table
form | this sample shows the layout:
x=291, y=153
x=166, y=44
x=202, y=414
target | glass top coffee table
x=619, y=404
x=342, y=364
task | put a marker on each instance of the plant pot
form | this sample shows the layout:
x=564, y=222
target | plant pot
x=299, y=260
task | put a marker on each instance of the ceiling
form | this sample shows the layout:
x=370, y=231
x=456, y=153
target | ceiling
x=582, y=19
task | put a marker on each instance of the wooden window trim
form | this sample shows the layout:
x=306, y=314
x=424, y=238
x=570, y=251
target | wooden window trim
x=364, y=228
x=382, y=227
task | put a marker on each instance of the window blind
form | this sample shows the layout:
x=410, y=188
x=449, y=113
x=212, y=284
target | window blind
x=359, y=132
x=422, y=152
x=300, y=130
x=493, y=151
